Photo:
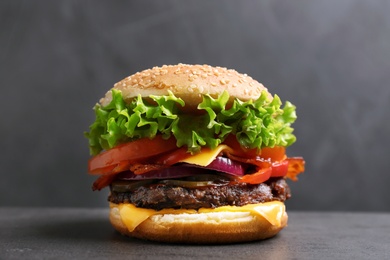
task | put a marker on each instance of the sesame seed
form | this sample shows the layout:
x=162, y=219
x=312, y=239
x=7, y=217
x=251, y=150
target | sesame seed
x=191, y=90
x=159, y=86
x=223, y=82
x=205, y=68
x=192, y=77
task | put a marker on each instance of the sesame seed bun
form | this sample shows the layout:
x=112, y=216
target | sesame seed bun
x=188, y=82
x=201, y=228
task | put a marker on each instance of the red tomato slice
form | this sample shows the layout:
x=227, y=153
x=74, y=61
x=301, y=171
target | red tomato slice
x=260, y=176
x=100, y=171
x=279, y=169
x=173, y=157
x=277, y=153
x=232, y=142
x=132, y=152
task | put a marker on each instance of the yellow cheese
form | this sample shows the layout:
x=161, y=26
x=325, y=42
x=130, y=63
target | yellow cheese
x=271, y=211
x=132, y=216
x=206, y=156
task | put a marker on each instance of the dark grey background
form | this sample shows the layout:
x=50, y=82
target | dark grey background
x=330, y=58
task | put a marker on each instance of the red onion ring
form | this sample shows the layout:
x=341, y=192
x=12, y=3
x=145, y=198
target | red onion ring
x=171, y=172
x=220, y=164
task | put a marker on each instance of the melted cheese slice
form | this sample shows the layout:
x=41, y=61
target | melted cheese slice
x=132, y=216
x=206, y=156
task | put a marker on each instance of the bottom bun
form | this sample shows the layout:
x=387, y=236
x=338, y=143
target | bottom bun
x=201, y=228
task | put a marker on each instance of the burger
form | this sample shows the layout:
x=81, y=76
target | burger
x=194, y=154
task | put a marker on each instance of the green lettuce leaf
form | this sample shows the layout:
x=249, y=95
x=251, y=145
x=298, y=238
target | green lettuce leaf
x=256, y=124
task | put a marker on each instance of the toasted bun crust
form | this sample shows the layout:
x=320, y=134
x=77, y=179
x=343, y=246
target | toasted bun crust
x=188, y=82
x=201, y=228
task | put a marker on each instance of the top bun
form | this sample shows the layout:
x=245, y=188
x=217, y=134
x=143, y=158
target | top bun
x=188, y=82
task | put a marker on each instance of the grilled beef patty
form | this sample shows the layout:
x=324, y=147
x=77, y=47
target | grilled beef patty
x=160, y=196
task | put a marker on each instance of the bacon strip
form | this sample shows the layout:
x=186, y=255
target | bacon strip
x=258, y=161
x=296, y=165
x=139, y=168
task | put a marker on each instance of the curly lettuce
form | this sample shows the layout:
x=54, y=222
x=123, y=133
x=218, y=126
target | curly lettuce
x=256, y=124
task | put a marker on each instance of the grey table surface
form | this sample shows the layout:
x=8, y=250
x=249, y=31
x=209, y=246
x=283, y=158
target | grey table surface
x=72, y=233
